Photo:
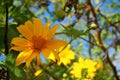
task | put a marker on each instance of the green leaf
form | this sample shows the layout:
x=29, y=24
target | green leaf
x=12, y=32
x=15, y=71
x=2, y=64
x=73, y=32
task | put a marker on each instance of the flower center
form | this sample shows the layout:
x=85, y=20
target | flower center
x=38, y=43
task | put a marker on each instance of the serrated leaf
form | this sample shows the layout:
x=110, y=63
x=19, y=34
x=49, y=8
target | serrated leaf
x=73, y=32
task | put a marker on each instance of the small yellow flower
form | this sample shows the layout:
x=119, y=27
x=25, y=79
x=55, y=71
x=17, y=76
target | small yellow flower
x=87, y=64
x=38, y=72
x=65, y=55
x=38, y=38
x=99, y=66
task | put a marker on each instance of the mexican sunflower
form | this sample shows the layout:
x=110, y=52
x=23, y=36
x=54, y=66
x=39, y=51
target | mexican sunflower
x=90, y=66
x=37, y=38
x=65, y=55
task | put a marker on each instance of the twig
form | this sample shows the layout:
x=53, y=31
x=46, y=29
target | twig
x=90, y=46
x=89, y=41
x=89, y=36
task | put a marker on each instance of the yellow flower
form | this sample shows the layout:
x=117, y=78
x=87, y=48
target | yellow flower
x=99, y=66
x=65, y=55
x=38, y=72
x=37, y=39
x=87, y=64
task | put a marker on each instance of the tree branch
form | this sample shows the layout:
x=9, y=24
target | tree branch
x=6, y=37
x=6, y=31
x=97, y=35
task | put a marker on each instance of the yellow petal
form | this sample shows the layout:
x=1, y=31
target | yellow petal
x=25, y=30
x=23, y=56
x=29, y=25
x=46, y=52
x=37, y=72
x=45, y=30
x=64, y=61
x=71, y=54
x=19, y=41
x=51, y=56
x=55, y=44
x=19, y=44
x=18, y=48
x=52, y=32
x=37, y=26
x=30, y=58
